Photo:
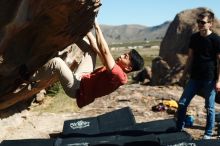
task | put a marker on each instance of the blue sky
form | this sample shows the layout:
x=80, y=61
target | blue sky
x=149, y=12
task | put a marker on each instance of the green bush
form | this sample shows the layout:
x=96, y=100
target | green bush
x=54, y=89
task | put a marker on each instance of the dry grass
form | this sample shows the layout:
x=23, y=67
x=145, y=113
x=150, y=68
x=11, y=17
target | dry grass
x=147, y=53
x=57, y=104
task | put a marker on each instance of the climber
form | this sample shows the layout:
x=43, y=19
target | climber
x=86, y=84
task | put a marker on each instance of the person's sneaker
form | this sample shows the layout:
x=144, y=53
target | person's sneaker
x=206, y=137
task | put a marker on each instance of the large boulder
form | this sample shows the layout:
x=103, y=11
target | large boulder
x=174, y=46
x=33, y=31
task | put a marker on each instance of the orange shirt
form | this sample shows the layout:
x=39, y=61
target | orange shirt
x=99, y=83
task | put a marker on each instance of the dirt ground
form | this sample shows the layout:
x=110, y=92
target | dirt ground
x=30, y=123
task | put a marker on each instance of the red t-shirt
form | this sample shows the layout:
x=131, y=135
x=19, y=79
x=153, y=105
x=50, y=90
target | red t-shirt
x=99, y=83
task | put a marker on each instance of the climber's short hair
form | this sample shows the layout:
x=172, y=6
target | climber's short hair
x=137, y=62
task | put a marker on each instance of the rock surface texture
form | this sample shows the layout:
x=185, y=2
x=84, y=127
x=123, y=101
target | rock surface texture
x=32, y=32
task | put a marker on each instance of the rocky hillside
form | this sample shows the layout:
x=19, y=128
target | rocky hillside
x=126, y=33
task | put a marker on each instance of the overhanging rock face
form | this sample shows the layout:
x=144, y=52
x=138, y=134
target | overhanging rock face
x=32, y=32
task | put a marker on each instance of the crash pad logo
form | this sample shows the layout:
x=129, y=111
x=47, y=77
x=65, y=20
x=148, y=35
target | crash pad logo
x=78, y=144
x=79, y=124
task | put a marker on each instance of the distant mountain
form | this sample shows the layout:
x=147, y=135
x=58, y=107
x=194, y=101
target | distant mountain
x=127, y=33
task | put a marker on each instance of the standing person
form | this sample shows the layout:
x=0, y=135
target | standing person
x=203, y=58
x=85, y=84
